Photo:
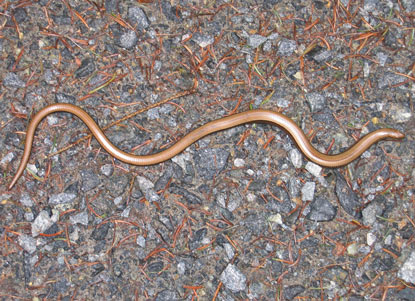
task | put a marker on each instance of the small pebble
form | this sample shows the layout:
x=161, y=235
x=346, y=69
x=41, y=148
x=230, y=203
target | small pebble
x=239, y=162
x=307, y=191
x=295, y=158
x=313, y=168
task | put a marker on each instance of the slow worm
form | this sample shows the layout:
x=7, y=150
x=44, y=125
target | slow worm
x=214, y=126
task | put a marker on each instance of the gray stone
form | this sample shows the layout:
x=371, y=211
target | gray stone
x=13, y=81
x=87, y=68
x=62, y=97
x=407, y=293
x=230, y=202
x=61, y=198
x=296, y=158
x=153, y=114
x=389, y=79
x=366, y=69
x=409, y=5
x=111, y=6
x=107, y=169
x=382, y=58
x=233, y=279
x=307, y=192
x=29, y=216
x=138, y=17
x=171, y=12
x=126, y=212
x=290, y=292
x=238, y=162
x=28, y=243
x=43, y=222
x=370, y=212
x=141, y=241
x=347, y=197
x=267, y=46
x=256, y=40
x=280, y=200
x=313, y=168
x=89, y=180
x=210, y=161
x=286, y=47
x=100, y=232
x=181, y=268
x=5, y=197
x=26, y=200
x=256, y=290
x=269, y=247
x=316, y=101
x=321, y=210
x=173, y=171
x=7, y=159
x=167, y=295
x=230, y=253
x=155, y=267
x=128, y=39
x=276, y=218
x=273, y=36
x=370, y=5
x=407, y=271
x=61, y=285
x=370, y=238
x=117, y=184
x=52, y=120
x=249, y=18
x=20, y=14
x=197, y=238
x=203, y=40
x=294, y=187
x=62, y=19
x=352, y=249
x=187, y=196
x=283, y=103
x=80, y=218
x=323, y=56
x=146, y=186
x=400, y=113
x=118, y=200
x=144, y=183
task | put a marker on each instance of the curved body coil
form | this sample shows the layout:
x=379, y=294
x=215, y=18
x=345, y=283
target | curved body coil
x=214, y=126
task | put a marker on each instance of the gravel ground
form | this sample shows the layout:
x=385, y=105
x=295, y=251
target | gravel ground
x=239, y=215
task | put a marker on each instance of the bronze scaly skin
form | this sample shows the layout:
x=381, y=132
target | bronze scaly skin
x=211, y=127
